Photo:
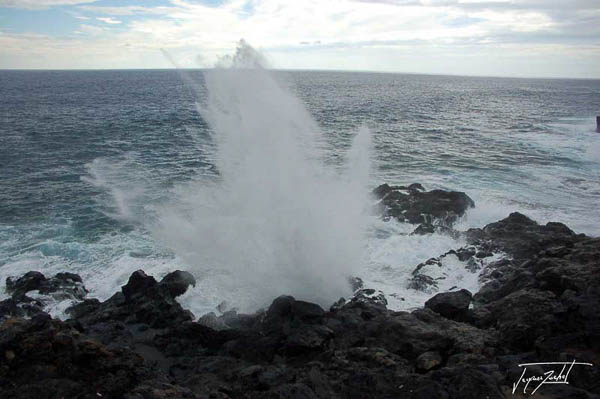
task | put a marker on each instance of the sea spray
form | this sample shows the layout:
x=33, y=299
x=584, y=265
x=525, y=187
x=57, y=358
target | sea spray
x=276, y=220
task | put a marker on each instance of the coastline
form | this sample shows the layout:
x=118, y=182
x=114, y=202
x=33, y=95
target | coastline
x=538, y=304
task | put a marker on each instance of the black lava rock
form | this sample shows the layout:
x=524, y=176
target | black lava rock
x=452, y=305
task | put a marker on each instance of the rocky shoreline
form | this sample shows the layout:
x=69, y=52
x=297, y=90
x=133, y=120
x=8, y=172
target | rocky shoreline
x=540, y=302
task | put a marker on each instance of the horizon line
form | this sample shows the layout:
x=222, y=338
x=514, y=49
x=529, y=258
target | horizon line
x=304, y=70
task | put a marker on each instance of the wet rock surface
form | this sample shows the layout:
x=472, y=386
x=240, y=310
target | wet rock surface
x=521, y=237
x=414, y=205
x=540, y=304
x=452, y=305
x=31, y=292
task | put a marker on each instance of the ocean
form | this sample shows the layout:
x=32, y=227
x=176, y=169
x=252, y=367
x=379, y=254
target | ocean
x=256, y=182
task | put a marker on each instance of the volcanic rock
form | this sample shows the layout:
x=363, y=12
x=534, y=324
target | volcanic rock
x=539, y=304
x=452, y=305
x=414, y=205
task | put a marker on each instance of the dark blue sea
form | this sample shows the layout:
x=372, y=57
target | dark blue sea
x=88, y=159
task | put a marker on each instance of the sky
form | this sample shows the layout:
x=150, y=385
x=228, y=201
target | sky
x=520, y=38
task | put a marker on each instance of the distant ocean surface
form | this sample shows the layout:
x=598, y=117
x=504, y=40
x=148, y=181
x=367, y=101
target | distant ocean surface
x=86, y=155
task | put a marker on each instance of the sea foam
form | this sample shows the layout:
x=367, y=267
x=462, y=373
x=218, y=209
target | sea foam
x=277, y=220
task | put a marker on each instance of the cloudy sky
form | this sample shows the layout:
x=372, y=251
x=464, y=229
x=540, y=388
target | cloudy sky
x=540, y=38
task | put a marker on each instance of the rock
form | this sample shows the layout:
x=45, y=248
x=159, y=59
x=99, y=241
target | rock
x=66, y=284
x=414, y=205
x=370, y=302
x=422, y=282
x=427, y=228
x=22, y=307
x=307, y=338
x=32, y=292
x=469, y=383
x=222, y=306
x=337, y=305
x=416, y=187
x=28, y=282
x=138, y=285
x=60, y=286
x=523, y=316
x=452, y=305
x=463, y=254
x=212, y=321
x=177, y=282
x=64, y=363
x=81, y=309
x=290, y=391
x=375, y=356
x=505, y=284
x=426, y=275
x=460, y=337
x=382, y=190
x=428, y=360
x=521, y=237
x=141, y=301
x=423, y=229
x=287, y=309
x=538, y=304
x=152, y=390
x=9, y=355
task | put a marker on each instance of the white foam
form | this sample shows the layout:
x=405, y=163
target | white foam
x=53, y=306
x=277, y=221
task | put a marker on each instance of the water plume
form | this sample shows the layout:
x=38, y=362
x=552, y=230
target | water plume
x=277, y=220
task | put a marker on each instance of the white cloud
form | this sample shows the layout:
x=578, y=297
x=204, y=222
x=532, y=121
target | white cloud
x=400, y=35
x=40, y=4
x=126, y=10
x=108, y=20
x=91, y=29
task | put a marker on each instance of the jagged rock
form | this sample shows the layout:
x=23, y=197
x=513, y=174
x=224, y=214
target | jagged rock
x=414, y=205
x=463, y=254
x=540, y=305
x=307, y=338
x=138, y=285
x=22, y=307
x=379, y=357
x=428, y=360
x=521, y=237
x=212, y=321
x=523, y=316
x=287, y=309
x=177, y=282
x=233, y=319
x=62, y=286
x=370, y=301
x=464, y=339
x=428, y=262
x=468, y=382
x=426, y=275
x=424, y=228
x=510, y=281
x=427, y=228
x=51, y=359
x=452, y=305
x=28, y=282
x=141, y=300
x=337, y=305
x=422, y=282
